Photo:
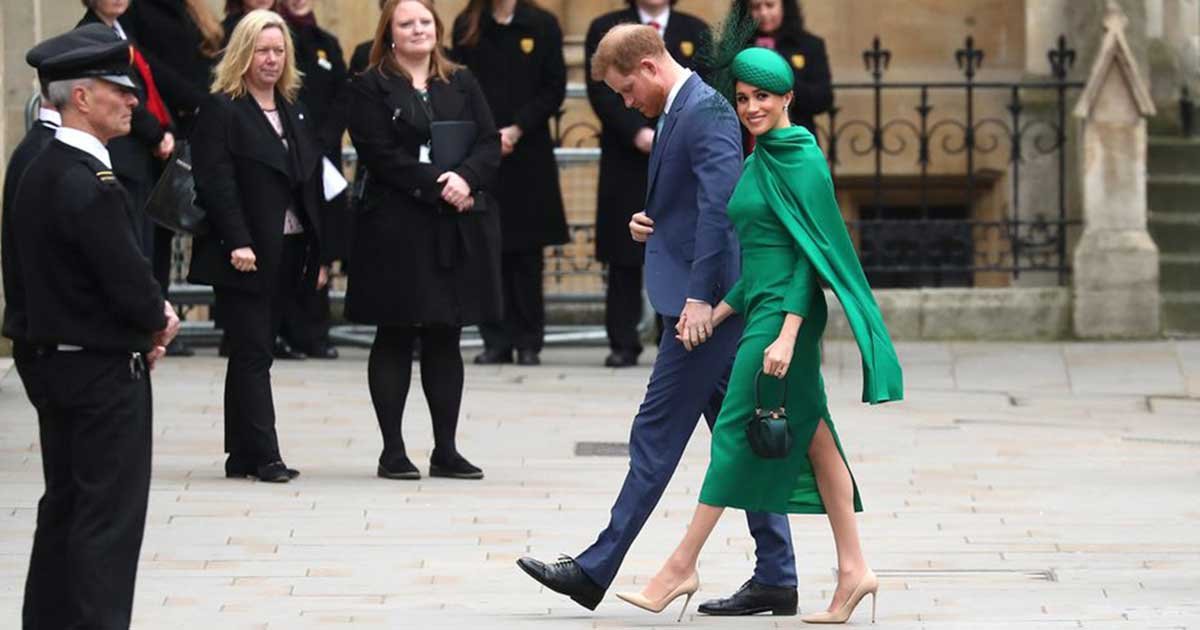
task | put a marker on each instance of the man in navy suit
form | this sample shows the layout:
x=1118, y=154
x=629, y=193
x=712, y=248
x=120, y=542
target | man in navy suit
x=692, y=259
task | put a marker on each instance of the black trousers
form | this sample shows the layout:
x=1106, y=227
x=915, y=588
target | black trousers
x=524, y=322
x=94, y=420
x=389, y=374
x=160, y=256
x=306, y=319
x=251, y=321
x=623, y=308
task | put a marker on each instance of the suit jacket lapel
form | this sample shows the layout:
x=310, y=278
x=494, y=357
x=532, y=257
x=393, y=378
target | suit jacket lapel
x=660, y=142
x=297, y=127
x=263, y=143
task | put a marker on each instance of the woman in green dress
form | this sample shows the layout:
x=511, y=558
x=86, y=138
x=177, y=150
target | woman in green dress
x=792, y=234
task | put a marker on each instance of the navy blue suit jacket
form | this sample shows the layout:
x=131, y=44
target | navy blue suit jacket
x=696, y=162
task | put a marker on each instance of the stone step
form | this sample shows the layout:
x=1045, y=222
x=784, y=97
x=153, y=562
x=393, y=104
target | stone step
x=1181, y=313
x=1173, y=156
x=1175, y=233
x=1173, y=194
x=1179, y=272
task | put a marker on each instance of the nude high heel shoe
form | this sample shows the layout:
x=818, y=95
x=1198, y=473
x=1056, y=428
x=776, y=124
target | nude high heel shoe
x=687, y=588
x=869, y=584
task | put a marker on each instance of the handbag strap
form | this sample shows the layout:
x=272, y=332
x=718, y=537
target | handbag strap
x=758, y=392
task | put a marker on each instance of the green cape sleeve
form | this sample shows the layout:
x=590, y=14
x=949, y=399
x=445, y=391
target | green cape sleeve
x=794, y=179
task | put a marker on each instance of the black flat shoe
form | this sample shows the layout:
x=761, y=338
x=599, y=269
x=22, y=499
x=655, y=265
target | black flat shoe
x=398, y=468
x=274, y=472
x=453, y=467
x=237, y=469
x=323, y=351
x=528, y=357
x=285, y=352
x=493, y=357
x=753, y=598
x=620, y=360
x=566, y=577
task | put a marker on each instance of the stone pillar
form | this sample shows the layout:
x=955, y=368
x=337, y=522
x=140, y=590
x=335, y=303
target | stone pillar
x=1116, y=293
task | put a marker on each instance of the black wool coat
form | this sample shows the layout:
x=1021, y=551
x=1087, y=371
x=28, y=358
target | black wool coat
x=246, y=181
x=521, y=70
x=622, y=187
x=170, y=42
x=414, y=259
x=805, y=53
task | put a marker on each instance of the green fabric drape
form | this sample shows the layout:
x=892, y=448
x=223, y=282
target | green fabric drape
x=793, y=177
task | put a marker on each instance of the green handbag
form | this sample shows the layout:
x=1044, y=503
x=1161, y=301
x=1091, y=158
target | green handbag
x=767, y=430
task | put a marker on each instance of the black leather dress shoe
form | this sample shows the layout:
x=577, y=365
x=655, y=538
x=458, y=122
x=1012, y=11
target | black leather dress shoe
x=284, y=350
x=621, y=359
x=493, y=357
x=528, y=357
x=453, y=467
x=566, y=577
x=397, y=468
x=322, y=351
x=754, y=598
x=274, y=472
x=236, y=468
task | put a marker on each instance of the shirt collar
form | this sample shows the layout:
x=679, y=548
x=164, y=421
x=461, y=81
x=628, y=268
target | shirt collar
x=85, y=142
x=50, y=116
x=120, y=31
x=661, y=19
x=683, y=77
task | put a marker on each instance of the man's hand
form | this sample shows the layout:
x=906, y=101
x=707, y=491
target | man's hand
x=695, y=324
x=322, y=277
x=641, y=227
x=154, y=355
x=644, y=140
x=243, y=259
x=509, y=137
x=165, y=147
x=165, y=336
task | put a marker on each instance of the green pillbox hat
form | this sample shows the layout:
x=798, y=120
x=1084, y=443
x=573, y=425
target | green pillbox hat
x=763, y=68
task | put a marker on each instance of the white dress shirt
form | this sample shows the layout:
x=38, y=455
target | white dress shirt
x=85, y=142
x=662, y=19
x=49, y=116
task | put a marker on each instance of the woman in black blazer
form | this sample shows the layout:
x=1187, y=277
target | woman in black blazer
x=425, y=259
x=518, y=58
x=781, y=28
x=257, y=166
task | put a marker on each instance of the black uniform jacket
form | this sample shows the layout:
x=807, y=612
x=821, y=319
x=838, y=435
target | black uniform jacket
x=132, y=155
x=622, y=187
x=805, y=53
x=246, y=181
x=361, y=57
x=521, y=70
x=38, y=137
x=86, y=282
x=170, y=42
x=414, y=259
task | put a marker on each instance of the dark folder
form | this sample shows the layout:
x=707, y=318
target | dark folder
x=172, y=202
x=452, y=141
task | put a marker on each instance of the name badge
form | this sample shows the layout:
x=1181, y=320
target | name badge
x=423, y=156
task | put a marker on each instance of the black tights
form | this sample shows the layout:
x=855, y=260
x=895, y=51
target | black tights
x=389, y=372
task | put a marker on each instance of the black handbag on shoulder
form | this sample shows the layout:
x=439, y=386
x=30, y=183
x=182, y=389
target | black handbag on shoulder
x=767, y=431
x=172, y=202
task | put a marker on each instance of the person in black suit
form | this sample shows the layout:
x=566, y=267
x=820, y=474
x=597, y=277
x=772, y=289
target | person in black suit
x=96, y=323
x=257, y=165
x=625, y=140
x=361, y=57
x=235, y=10
x=515, y=49
x=319, y=57
x=426, y=252
x=781, y=28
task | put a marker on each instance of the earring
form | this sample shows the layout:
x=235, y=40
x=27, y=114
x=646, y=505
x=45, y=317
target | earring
x=393, y=45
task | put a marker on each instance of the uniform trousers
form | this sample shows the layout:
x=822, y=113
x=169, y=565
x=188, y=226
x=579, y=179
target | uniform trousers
x=252, y=320
x=94, y=420
x=623, y=308
x=524, y=322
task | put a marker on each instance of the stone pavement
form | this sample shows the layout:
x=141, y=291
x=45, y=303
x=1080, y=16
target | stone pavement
x=1038, y=486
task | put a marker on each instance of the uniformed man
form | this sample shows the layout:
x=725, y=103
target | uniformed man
x=625, y=141
x=96, y=323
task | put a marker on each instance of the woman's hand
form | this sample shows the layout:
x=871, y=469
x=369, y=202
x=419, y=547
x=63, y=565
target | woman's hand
x=509, y=137
x=777, y=358
x=165, y=147
x=243, y=259
x=721, y=313
x=322, y=277
x=455, y=189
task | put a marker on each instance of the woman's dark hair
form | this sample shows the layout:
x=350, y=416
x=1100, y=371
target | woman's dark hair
x=474, y=14
x=793, y=15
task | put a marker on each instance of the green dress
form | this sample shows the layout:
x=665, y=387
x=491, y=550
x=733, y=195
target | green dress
x=791, y=233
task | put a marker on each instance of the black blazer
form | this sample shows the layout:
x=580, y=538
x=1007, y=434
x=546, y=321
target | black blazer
x=414, y=260
x=245, y=181
x=621, y=191
x=805, y=53
x=521, y=71
x=170, y=42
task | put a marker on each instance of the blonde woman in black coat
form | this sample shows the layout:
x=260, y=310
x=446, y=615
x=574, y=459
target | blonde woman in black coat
x=425, y=259
x=258, y=175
